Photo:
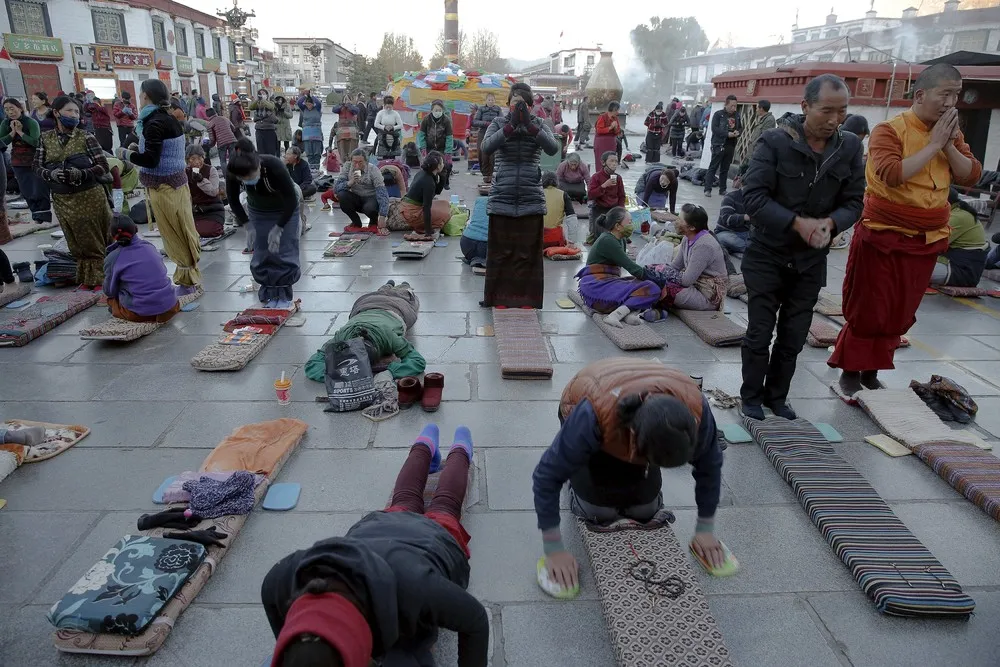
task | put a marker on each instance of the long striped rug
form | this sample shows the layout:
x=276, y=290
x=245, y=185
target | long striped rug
x=893, y=568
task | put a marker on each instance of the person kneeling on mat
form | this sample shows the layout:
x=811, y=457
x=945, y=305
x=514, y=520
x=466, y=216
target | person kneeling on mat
x=475, y=236
x=419, y=208
x=622, y=419
x=135, y=277
x=381, y=319
x=206, y=194
x=382, y=591
x=273, y=213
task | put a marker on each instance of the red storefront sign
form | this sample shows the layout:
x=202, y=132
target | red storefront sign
x=125, y=57
x=164, y=76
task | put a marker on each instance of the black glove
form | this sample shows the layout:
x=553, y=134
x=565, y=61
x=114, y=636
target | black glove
x=210, y=537
x=196, y=175
x=167, y=519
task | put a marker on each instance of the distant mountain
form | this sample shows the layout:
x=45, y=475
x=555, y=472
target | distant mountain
x=518, y=64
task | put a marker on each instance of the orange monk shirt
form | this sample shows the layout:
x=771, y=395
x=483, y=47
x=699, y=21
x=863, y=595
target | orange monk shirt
x=890, y=143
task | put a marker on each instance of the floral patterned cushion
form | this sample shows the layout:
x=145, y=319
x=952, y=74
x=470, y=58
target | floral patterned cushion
x=126, y=589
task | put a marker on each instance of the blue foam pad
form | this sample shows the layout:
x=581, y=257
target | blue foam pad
x=735, y=433
x=158, y=494
x=19, y=304
x=282, y=497
x=441, y=244
x=191, y=306
x=830, y=433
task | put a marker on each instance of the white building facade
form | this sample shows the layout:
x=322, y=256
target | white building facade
x=111, y=47
x=316, y=62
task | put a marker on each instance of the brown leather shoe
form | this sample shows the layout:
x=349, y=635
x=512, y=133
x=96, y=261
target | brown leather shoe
x=410, y=392
x=433, y=389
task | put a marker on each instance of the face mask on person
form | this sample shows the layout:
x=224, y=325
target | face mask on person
x=69, y=121
x=627, y=231
x=437, y=113
x=251, y=181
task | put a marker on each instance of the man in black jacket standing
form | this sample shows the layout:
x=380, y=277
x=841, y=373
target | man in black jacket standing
x=726, y=129
x=805, y=185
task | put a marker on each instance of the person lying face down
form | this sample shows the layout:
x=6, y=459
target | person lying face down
x=381, y=319
x=622, y=419
x=382, y=591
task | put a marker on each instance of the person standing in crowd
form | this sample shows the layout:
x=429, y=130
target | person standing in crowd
x=265, y=124
x=283, y=129
x=273, y=215
x=222, y=135
x=484, y=117
x=805, y=183
x=678, y=127
x=216, y=104
x=605, y=191
x=86, y=124
x=373, y=111
x=21, y=132
x=125, y=115
x=582, y=123
x=206, y=201
x=435, y=134
x=606, y=133
x=311, y=118
x=362, y=106
x=238, y=117
x=573, y=177
x=41, y=113
x=361, y=189
x=726, y=129
x=765, y=121
x=913, y=159
x=515, y=271
x=73, y=164
x=656, y=128
x=101, y=120
x=162, y=165
x=347, y=129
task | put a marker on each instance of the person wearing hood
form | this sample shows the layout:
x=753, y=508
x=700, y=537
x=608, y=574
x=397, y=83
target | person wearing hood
x=217, y=103
x=346, y=129
x=726, y=129
x=620, y=421
x=656, y=128
x=73, y=165
x=265, y=123
x=804, y=185
x=913, y=160
x=283, y=110
x=382, y=591
x=135, y=277
x=484, y=116
x=515, y=269
x=435, y=134
x=125, y=114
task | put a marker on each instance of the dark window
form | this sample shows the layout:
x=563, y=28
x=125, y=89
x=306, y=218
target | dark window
x=232, y=50
x=199, y=43
x=159, y=35
x=29, y=18
x=181, y=36
x=217, y=47
x=109, y=27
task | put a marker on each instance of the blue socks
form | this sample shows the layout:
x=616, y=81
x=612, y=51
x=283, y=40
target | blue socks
x=463, y=440
x=429, y=437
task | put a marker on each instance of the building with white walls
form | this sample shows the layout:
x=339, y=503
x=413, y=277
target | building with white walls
x=110, y=47
x=316, y=62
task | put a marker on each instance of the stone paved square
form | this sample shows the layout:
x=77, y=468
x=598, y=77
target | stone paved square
x=793, y=604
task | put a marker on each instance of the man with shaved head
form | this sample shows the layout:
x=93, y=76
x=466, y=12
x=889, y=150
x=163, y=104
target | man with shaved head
x=913, y=160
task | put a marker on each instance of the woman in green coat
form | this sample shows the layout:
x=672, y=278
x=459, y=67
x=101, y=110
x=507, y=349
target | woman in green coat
x=283, y=110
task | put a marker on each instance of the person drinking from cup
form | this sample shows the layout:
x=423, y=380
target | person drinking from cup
x=605, y=192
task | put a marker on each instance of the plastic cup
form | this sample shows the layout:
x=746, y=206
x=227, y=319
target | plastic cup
x=614, y=178
x=357, y=173
x=282, y=388
x=365, y=268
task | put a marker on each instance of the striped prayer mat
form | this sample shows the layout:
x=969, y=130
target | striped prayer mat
x=969, y=470
x=893, y=568
x=521, y=348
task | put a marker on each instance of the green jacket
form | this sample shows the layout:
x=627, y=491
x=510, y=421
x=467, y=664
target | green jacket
x=609, y=249
x=386, y=331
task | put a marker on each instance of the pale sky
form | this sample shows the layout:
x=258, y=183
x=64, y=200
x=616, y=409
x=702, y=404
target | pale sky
x=529, y=29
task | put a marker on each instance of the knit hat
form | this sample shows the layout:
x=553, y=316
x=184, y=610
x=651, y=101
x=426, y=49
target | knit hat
x=333, y=619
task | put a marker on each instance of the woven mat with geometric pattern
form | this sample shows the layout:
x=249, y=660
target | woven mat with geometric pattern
x=628, y=336
x=521, y=348
x=656, y=612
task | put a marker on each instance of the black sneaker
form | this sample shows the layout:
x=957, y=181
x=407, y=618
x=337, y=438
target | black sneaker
x=752, y=411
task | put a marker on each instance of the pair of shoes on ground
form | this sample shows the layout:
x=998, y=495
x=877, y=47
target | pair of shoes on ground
x=782, y=410
x=280, y=304
x=428, y=395
x=430, y=437
x=851, y=382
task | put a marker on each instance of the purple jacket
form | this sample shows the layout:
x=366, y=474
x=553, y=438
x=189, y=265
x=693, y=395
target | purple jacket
x=136, y=276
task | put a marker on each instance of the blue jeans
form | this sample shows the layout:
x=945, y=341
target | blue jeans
x=733, y=242
x=993, y=259
x=314, y=151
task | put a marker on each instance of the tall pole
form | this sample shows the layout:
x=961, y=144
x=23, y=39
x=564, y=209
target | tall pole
x=238, y=31
x=451, y=30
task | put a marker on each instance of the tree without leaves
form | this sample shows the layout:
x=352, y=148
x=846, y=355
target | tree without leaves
x=439, y=58
x=661, y=43
x=483, y=53
x=398, y=55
